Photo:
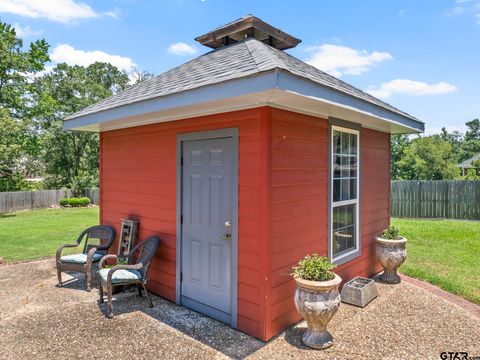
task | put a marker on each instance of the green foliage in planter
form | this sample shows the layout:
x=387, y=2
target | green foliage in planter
x=73, y=202
x=64, y=202
x=315, y=267
x=84, y=201
x=391, y=233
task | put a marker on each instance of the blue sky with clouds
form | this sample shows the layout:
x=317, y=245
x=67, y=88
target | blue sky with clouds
x=421, y=56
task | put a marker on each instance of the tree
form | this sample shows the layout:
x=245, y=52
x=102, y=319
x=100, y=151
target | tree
x=11, y=152
x=71, y=158
x=20, y=145
x=427, y=158
x=471, y=174
x=398, y=144
x=473, y=132
x=137, y=76
x=469, y=149
x=476, y=165
x=17, y=69
x=455, y=139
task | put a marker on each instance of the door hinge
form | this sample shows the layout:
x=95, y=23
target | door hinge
x=181, y=277
x=181, y=219
x=181, y=161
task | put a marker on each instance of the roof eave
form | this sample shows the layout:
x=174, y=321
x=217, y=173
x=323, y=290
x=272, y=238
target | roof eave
x=231, y=88
x=273, y=79
x=305, y=87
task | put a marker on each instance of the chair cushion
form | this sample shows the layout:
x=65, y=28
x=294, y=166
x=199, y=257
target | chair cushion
x=79, y=258
x=121, y=276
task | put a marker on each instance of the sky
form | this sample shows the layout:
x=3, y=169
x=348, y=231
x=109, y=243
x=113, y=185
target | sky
x=421, y=56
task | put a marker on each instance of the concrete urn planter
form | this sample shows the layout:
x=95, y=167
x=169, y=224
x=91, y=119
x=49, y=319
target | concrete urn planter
x=391, y=254
x=317, y=302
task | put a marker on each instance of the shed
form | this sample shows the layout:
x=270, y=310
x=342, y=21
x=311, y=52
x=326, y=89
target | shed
x=243, y=161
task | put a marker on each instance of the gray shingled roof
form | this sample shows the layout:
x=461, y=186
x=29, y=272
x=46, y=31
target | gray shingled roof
x=468, y=163
x=235, y=61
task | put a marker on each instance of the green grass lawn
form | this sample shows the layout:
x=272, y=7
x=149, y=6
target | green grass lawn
x=445, y=253
x=37, y=234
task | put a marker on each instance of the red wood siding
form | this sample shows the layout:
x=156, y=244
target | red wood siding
x=138, y=179
x=283, y=201
x=299, y=204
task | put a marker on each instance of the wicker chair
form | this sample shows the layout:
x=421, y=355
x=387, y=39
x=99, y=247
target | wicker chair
x=134, y=272
x=91, y=253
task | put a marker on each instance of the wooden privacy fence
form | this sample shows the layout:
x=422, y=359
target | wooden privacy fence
x=450, y=199
x=27, y=200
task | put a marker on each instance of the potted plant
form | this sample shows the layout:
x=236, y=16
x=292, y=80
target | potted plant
x=391, y=252
x=316, y=298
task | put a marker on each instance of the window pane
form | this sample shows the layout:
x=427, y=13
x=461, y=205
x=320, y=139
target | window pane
x=353, y=189
x=336, y=166
x=353, y=166
x=345, y=169
x=345, y=189
x=343, y=228
x=349, y=214
x=345, y=143
x=353, y=144
x=337, y=149
x=336, y=223
x=339, y=243
x=350, y=237
x=336, y=190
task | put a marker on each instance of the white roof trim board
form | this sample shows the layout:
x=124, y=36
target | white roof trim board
x=226, y=78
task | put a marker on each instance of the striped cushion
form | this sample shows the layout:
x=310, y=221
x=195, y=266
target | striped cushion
x=80, y=258
x=120, y=276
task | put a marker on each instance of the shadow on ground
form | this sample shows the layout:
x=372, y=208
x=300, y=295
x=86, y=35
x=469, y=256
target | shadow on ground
x=210, y=332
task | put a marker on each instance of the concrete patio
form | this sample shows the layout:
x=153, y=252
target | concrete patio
x=40, y=321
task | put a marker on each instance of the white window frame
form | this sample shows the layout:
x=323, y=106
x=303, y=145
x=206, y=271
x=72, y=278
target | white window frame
x=355, y=252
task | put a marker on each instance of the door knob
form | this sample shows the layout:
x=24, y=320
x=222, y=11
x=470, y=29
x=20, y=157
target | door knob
x=228, y=235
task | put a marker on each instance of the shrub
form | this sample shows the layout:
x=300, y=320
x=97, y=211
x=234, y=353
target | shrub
x=79, y=183
x=73, y=202
x=314, y=267
x=84, y=201
x=391, y=233
x=64, y=202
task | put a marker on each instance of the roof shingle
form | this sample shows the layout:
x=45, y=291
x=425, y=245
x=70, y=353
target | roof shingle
x=235, y=61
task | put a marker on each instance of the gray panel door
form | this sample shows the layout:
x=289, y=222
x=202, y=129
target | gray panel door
x=207, y=176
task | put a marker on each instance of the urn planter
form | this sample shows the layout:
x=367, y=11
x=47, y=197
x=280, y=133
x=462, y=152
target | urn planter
x=317, y=302
x=391, y=254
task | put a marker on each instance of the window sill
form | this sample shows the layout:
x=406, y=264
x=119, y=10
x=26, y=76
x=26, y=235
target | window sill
x=344, y=258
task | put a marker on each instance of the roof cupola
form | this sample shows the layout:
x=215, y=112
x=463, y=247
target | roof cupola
x=248, y=26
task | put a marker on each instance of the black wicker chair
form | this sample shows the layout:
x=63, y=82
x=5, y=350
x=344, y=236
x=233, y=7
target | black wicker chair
x=91, y=253
x=132, y=272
